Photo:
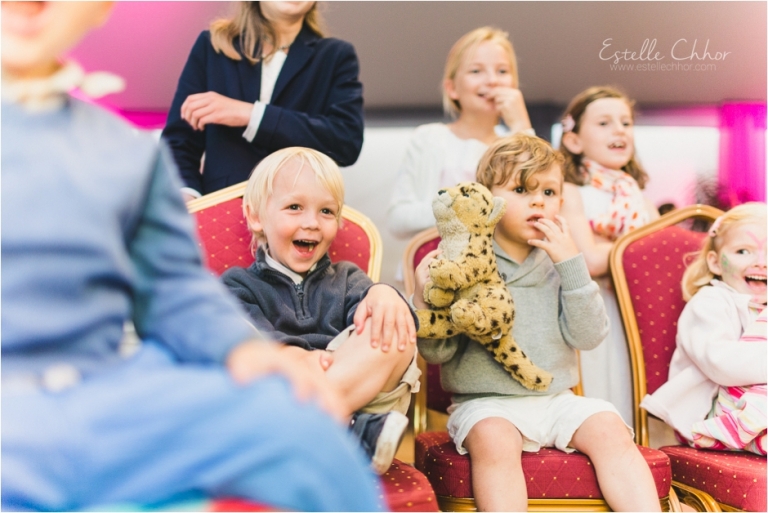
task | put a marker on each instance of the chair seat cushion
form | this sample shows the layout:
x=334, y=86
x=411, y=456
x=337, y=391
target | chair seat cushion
x=406, y=489
x=549, y=473
x=737, y=479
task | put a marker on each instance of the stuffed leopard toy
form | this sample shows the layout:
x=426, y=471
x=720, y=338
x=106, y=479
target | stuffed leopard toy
x=466, y=292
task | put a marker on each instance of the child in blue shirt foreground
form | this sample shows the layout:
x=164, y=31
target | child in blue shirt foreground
x=95, y=234
x=321, y=310
x=557, y=311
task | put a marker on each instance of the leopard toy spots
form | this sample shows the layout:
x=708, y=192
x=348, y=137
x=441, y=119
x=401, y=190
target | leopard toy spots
x=466, y=293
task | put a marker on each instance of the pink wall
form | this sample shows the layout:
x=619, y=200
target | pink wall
x=742, y=152
x=147, y=43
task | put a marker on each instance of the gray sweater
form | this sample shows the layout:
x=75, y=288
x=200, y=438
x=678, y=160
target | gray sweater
x=558, y=310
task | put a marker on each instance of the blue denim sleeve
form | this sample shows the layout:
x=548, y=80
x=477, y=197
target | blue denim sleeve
x=176, y=300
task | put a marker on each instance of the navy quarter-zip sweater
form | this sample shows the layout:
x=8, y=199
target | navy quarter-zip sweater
x=307, y=315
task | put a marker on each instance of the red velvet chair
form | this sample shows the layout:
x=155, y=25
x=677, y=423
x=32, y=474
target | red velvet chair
x=225, y=240
x=647, y=267
x=556, y=481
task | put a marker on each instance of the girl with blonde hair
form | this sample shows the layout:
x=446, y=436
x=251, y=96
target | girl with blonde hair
x=480, y=88
x=263, y=80
x=715, y=397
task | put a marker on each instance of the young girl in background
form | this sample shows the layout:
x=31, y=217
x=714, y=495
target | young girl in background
x=480, y=87
x=715, y=397
x=603, y=200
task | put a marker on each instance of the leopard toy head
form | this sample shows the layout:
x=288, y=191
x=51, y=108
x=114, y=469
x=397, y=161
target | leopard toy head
x=466, y=293
x=466, y=211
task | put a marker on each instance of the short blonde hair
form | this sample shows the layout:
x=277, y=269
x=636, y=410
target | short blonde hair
x=462, y=47
x=698, y=275
x=519, y=157
x=259, y=186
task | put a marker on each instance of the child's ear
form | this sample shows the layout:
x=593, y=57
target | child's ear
x=450, y=89
x=499, y=206
x=254, y=223
x=713, y=263
x=572, y=141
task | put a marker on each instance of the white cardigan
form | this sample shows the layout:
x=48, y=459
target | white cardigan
x=435, y=158
x=709, y=354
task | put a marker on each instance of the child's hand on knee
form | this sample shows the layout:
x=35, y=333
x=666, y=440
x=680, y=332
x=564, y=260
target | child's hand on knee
x=558, y=242
x=305, y=370
x=391, y=318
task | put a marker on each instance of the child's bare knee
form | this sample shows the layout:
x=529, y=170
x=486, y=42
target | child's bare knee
x=604, y=429
x=495, y=434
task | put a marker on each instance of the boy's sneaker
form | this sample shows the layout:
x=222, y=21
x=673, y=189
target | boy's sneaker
x=380, y=435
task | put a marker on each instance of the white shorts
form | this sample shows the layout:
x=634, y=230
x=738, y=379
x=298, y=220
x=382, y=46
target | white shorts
x=543, y=420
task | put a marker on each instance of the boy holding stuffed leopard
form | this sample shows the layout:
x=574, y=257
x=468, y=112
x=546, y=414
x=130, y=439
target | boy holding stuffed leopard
x=558, y=310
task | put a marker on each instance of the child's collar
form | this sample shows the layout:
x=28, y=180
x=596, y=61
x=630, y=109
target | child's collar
x=50, y=93
x=277, y=266
x=534, y=256
x=593, y=167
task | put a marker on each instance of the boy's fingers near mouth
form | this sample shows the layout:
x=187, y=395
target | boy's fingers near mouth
x=545, y=226
x=561, y=221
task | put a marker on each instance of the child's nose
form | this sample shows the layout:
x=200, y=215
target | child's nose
x=309, y=220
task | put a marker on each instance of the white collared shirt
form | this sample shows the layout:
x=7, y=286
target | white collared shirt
x=294, y=276
x=270, y=70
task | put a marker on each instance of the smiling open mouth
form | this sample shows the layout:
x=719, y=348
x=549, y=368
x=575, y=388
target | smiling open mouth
x=305, y=246
x=756, y=283
x=617, y=146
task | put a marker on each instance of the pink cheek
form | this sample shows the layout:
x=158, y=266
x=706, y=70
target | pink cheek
x=760, y=242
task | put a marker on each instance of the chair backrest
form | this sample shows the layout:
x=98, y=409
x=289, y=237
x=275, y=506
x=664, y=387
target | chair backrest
x=431, y=396
x=417, y=248
x=225, y=239
x=647, y=267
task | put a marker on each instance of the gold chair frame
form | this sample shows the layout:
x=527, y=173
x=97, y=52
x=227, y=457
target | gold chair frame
x=355, y=216
x=698, y=499
x=420, y=400
x=421, y=417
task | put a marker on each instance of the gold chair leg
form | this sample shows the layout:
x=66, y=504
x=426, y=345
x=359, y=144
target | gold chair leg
x=671, y=503
x=698, y=500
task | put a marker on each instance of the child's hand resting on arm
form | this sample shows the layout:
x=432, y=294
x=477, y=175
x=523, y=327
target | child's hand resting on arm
x=391, y=318
x=557, y=241
x=305, y=370
x=213, y=108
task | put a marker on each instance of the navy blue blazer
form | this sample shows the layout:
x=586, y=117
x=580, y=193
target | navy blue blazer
x=317, y=103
